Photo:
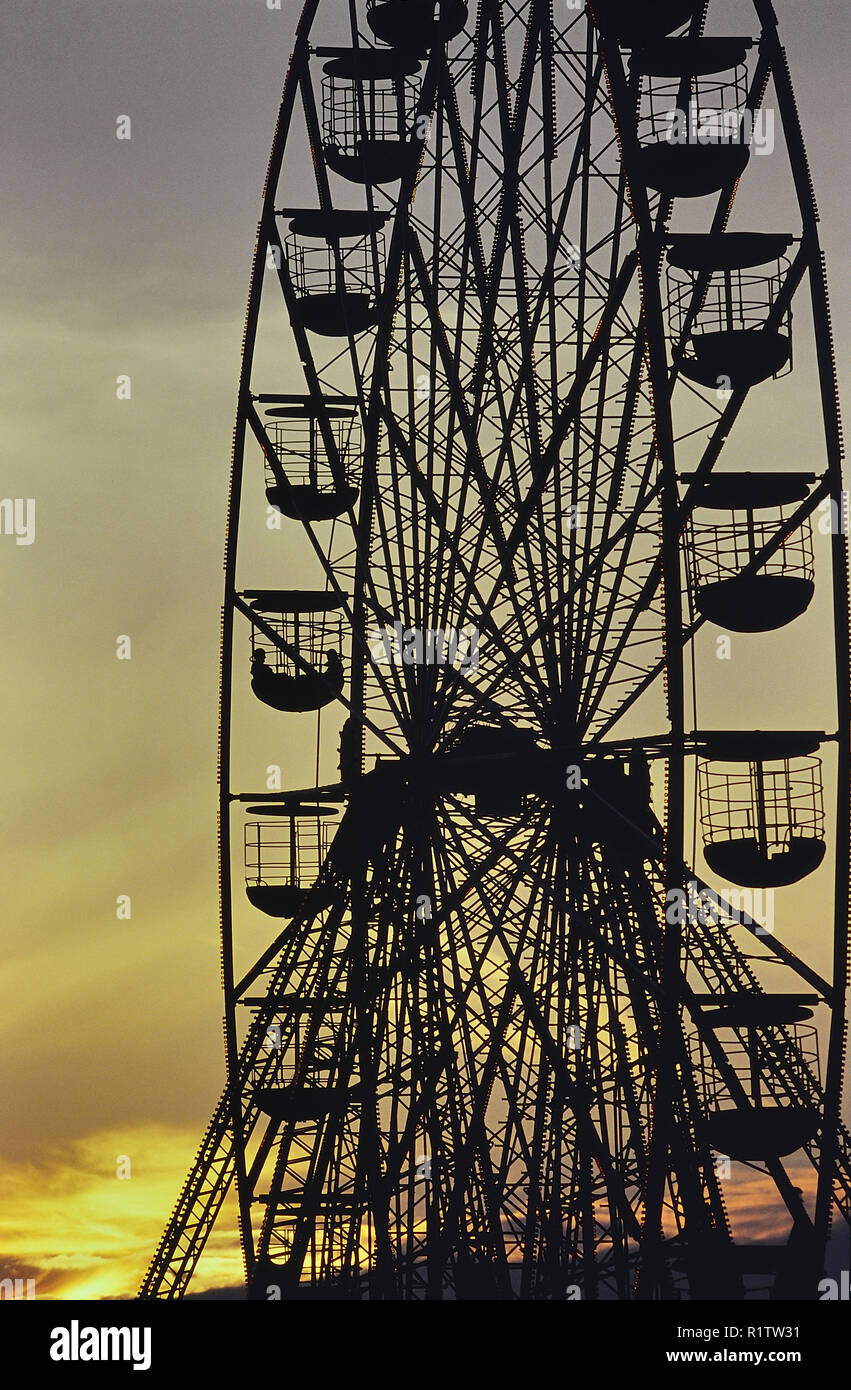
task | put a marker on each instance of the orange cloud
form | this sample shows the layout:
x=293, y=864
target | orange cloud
x=82, y=1231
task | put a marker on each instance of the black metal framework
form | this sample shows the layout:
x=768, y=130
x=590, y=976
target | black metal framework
x=289, y=641
x=693, y=108
x=388, y=104
x=771, y=803
x=322, y=268
x=466, y=1066
x=734, y=299
x=298, y=446
x=290, y=851
x=722, y=550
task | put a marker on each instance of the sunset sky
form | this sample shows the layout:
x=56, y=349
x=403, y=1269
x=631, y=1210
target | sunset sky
x=132, y=257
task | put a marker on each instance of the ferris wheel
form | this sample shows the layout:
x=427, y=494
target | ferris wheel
x=503, y=1014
